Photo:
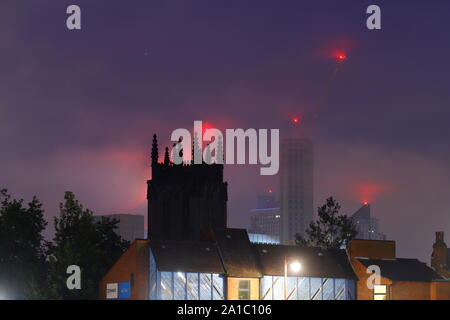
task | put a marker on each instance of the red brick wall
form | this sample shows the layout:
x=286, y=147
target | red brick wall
x=411, y=290
x=134, y=260
x=440, y=290
x=362, y=291
x=372, y=249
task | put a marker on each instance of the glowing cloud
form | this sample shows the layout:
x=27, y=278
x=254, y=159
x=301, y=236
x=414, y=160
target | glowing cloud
x=367, y=192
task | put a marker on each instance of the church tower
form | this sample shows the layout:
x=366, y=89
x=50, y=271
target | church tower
x=186, y=201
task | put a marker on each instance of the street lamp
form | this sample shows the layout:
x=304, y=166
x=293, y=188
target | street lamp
x=295, y=267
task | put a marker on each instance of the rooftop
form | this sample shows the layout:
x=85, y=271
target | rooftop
x=403, y=269
x=233, y=254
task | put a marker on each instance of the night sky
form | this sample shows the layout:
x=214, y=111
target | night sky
x=78, y=108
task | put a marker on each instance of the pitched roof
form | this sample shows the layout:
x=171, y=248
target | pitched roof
x=237, y=253
x=232, y=253
x=403, y=269
x=186, y=256
x=315, y=262
x=362, y=213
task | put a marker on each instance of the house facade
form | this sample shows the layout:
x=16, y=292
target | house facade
x=399, y=278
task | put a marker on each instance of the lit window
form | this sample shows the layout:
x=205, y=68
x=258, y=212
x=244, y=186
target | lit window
x=380, y=292
x=244, y=290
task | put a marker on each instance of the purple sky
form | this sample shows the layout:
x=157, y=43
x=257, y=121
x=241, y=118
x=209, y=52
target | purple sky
x=78, y=109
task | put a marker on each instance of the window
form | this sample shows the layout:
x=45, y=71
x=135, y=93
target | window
x=244, y=290
x=132, y=279
x=380, y=292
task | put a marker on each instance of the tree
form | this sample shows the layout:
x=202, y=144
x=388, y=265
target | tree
x=79, y=240
x=331, y=230
x=22, y=248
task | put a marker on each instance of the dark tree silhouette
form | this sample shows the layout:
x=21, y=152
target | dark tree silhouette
x=93, y=246
x=331, y=230
x=22, y=248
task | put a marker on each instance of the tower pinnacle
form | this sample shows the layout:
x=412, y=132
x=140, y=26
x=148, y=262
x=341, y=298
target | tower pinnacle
x=155, y=154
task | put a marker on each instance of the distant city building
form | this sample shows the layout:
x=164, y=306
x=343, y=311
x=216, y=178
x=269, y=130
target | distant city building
x=267, y=200
x=265, y=218
x=130, y=227
x=366, y=225
x=263, y=238
x=296, y=186
x=265, y=221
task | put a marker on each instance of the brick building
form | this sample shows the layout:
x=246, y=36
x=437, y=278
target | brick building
x=401, y=279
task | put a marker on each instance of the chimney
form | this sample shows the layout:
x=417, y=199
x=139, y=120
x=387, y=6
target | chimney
x=439, y=236
x=439, y=255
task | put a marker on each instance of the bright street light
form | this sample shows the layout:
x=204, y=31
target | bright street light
x=295, y=267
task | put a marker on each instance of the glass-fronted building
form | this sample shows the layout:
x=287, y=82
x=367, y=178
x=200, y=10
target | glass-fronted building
x=235, y=268
x=305, y=288
x=228, y=267
x=179, y=285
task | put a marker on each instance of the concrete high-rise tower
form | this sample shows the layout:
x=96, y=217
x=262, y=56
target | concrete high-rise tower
x=296, y=186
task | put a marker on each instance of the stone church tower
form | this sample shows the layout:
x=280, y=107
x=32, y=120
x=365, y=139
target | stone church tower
x=186, y=201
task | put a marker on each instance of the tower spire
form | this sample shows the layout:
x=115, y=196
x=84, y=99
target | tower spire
x=166, y=157
x=155, y=154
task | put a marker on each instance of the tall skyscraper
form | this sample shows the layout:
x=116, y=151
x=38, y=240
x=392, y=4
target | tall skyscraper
x=296, y=186
x=366, y=225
